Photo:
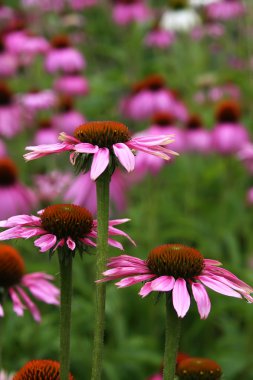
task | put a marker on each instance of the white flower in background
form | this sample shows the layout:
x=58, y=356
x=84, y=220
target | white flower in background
x=182, y=19
x=199, y=3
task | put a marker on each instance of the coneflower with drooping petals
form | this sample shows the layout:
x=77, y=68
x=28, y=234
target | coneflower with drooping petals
x=127, y=11
x=225, y=9
x=181, y=270
x=10, y=113
x=67, y=117
x=15, y=196
x=60, y=226
x=40, y=370
x=229, y=135
x=102, y=145
x=14, y=281
x=197, y=138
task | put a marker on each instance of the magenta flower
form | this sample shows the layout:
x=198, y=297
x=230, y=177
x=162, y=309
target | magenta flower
x=35, y=101
x=81, y=4
x=46, y=134
x=197, y=138
x=181, y=270
x=15, y=196
x=102, y=142
x=62, y=225
x=72, y=84
x=10, y=113
x=225, y=9
x=14, y=281
x=128, y=11
x=51, y=185
x=159, y=38
x=63, y=57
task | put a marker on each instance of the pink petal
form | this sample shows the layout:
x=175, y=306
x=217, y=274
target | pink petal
x=67, y=138
x=125, y=156
x=88, y=242
x=45, y=150
x=218, y=286
x=20, y=220
x=212, y=262
x=86, y=148
x=45, y=242
x=30, y=305
x=1, y=311
x=71, y=244
x=152, y=140
x=145, y=290
x=202, y=299
x=181, y=297
x=126, y=260
x=116, y=232
x=128, y=281
x=18, y=307
x=99, y=163
x=121, y=272
x=115, y=244
x=163, y=283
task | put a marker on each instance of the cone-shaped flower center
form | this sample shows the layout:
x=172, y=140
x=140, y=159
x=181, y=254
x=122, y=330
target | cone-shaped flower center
x=194, y=122
x=12, y=266
x=153, y=83
x=65, y=103
x=228, y=111
x=67, y=220
x=40, y=370
x=163, y=119
x=103, y=133
x=60, y=42
x=5, y=94
x=199, y=368
x=175, y=260
x=8, y=172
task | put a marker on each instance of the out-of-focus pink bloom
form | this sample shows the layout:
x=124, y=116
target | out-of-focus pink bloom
x=68, y=118
x=225, y=9
x=250, y=196
x=157, y=376
x=151, y=96
x=10, y=113
x=103, y=142
x=160, y=38
x=8, y=62
x=81, y=4
x=62, y=225
x=176, y=268
x=72, y=84
x=14, y=41
x=245, y=154
x=38, y=100
x=34, y=45
x=197, y=138
x=126, y=11
x=46, y=134
x=6, y=13
x=14, y=281
x=15, y=197
x=212, y=30
x=52, y=185
x=5, y=376
x=229, y=136
x=218, y=92
x=45, y=5
x=63, y=57
x=82, y=191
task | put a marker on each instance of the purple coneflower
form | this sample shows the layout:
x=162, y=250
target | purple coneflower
x=127, y=11
x=105, y=143
x=225, y=9
x=15, y=197
x=160, y=38
x=61, y=225
x=197, y=138
x=63, y=57
x=46, y=133
x=14, y=281
x=10, y=113
x=197, y=368
x=181, y=270
x=229, y=135
x=74, y=84
x=37, y=100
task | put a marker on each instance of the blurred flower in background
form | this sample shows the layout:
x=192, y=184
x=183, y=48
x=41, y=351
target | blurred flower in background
x=14, y=281
x=128, y=11
x=44, y=369
x=197, y=368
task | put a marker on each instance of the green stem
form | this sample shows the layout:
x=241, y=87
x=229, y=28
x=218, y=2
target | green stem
x=102, y=185
x=172, y=335
x=65, y=313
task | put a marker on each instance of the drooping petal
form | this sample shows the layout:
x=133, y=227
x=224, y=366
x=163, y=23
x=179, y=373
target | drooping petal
x=163, y=283
x=115, y=244
x=71, y=244
x=45, y=242
x=30, y=305
x=218, y=286
x=128, y=281
x=21, y=220
x=125, y=156
x=18, y=306
x=86, y=148
x=1, y=311
x=99, y=163
x=202, y=299
x=145, y=290
x=117, y=232
x=45, y=150
x=181, y=298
